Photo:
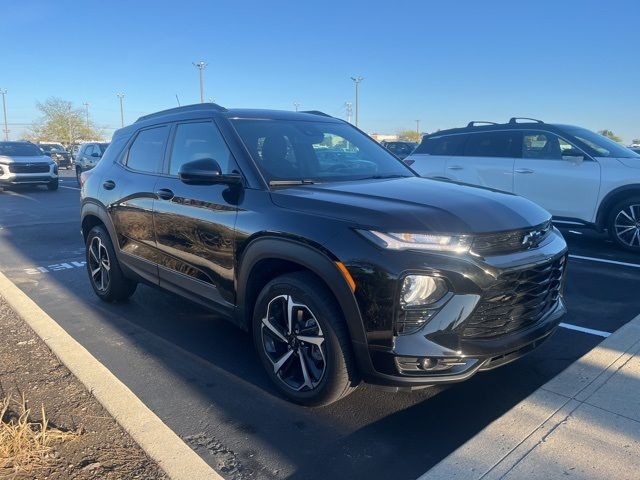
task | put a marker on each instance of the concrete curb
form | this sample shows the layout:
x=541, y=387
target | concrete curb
x=499, y=447
x=174, y=456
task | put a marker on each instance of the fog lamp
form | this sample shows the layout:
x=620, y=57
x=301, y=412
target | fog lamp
x=418, y=290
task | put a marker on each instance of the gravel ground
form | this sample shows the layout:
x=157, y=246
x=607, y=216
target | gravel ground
x=100, y=448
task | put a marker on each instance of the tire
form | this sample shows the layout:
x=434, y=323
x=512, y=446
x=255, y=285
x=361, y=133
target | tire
x=623, y=224
x=78, y=173
x=53, y=185
x=326, y=353
x=109, y=283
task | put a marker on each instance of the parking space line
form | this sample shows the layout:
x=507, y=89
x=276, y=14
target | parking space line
x=590, y=331
x=70, y=188
x=603, y=260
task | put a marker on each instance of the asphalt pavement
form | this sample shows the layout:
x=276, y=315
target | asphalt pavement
x=200, y=375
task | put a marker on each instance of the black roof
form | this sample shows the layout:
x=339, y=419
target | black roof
x=515, y=123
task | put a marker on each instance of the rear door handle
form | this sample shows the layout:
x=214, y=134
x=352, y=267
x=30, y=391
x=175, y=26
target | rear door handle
x=455, y=167
x=109, y=185
x=165, y=194
x=524, y=170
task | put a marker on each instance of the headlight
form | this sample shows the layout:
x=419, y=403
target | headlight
x=419, y=290
x=422, y=241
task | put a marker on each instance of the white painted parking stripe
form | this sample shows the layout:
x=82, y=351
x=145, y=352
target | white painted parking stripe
x=590, y=331
x=603, y=260
x=70, y=188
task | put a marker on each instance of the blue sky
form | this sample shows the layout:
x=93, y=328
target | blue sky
x=445, y=63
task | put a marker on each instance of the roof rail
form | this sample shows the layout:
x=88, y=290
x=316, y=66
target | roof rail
x=514, y=120
x=185, y=108
x=317, y=112
x=480, y=122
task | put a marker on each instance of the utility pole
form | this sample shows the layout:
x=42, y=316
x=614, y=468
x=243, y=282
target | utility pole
x=356, y=81
x=86, y=112
x=418, y=127
x=201, y=66
x=3, y=92
x=121, y=96
x=349, y=110
x=296, y=105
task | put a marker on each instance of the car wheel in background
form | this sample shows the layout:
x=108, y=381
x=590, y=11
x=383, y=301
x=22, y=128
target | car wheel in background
x=302, y=339
x=53, y=185
x=78, y=173
x=624, y=224
x=105, y=274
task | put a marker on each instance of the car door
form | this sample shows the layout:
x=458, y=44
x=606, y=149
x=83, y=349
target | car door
x=429, y=159
x=567, y=186
x=195, y=224
x=133, y=181
x=487, y=159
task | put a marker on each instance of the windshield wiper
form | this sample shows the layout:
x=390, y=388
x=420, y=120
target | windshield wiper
x=281, y=183
x=378, y=177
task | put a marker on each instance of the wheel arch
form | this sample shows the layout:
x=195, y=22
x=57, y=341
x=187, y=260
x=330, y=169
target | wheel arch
x=266, y=258
x=611, y=199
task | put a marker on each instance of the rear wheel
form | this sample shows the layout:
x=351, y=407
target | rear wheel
x=107, y=279
x=624, y=224
x=78, y=173
x=303, y=341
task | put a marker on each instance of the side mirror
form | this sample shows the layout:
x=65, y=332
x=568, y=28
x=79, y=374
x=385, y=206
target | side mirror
x=96, y=154
x=573, y=155
x=206, y=171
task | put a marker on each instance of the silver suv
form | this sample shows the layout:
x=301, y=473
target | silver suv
x=24, y=163
x=88, y=156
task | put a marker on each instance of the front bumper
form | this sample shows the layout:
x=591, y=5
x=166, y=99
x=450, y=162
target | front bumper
x=9, y=178
x=388, y=359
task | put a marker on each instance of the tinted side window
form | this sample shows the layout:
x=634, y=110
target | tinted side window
x=88, y=150
x=446, y=145
x=147, y=150
x=544, y=145
x=195, y=141
x=491, y=144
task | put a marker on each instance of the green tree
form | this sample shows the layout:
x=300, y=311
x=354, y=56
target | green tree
x=611, y=135
x=636, y=141
x=61, y=122
x=410, y=135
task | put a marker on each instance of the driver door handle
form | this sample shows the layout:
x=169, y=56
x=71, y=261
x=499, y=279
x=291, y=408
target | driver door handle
x=524, y=170
x=165, y=194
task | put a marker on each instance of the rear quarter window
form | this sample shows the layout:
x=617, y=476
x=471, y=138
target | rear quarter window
x=445, y=145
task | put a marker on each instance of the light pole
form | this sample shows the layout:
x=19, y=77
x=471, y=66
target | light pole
x=201, y=66
x=349, y=110
x=86, y=112
x=296, y=105
x=121, y=96
x=418, y=127
x=3, y=92
x=356, y=81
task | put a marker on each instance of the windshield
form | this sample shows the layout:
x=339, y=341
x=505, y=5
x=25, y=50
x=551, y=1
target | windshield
x=316, y=151
x=18, y=149
x=52, y=147
x=601, y=144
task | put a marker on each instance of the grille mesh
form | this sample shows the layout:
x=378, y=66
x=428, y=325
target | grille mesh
x=518, y=300
x=511, y=241
x=29, y=168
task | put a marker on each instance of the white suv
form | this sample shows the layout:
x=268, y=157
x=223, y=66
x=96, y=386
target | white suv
x=581, y=177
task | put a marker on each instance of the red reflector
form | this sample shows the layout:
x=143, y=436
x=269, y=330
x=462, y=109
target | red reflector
x=409, y=162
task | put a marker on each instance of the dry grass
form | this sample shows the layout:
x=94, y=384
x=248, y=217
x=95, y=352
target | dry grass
x=25, y=444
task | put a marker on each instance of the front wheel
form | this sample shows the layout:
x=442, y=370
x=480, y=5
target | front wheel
x=303, y=341
x=78, y=173
x=53, y=185
x=107, y=279
x=624, y=224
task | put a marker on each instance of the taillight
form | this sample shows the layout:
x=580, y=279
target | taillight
x=409, y=162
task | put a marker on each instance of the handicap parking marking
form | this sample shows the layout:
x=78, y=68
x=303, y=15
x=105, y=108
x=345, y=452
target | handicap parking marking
x=604, y=260
x=55, y=267
x=590, y=331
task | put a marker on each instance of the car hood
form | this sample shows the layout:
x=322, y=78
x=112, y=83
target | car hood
x=32, y=159
x=414, y=205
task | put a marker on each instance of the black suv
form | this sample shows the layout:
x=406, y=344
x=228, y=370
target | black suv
x=344, y=268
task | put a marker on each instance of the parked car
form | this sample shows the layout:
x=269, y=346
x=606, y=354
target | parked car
x=400, y=149
x=581, y=177
x=88, y=156
x=24, y=163
x=342, y=271
x=58, y=153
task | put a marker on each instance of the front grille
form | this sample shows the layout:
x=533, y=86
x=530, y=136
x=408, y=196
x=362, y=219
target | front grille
x=518, y=300
x=29, y=167
x=511, y=241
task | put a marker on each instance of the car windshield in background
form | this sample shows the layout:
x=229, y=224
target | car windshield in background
x=601, y=144
x=16, y=149
x=316, y=151
x=52, y=147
